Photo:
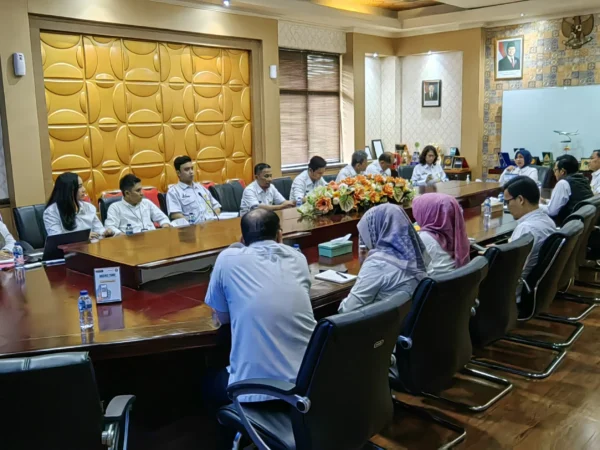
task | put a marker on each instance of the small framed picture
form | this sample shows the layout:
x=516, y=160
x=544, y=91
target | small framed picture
x=377, y=148
x=508, y=53
x=369, y=152
x=584, y=165
x=454, y=151
x=458, y=162
x=548, y=159
x=535, y=161
x=431, y=93
x=448, y=162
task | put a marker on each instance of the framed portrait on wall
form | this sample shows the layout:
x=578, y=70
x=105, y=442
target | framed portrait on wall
x=431, y=93
x=508, y=59
x=377, y=148
x=584, y=165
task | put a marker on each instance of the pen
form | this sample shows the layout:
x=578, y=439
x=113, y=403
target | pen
x=342, y=275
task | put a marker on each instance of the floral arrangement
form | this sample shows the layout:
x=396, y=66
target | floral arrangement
x=362, y=191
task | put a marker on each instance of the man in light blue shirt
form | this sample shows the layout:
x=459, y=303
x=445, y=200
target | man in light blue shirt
x=262, y=288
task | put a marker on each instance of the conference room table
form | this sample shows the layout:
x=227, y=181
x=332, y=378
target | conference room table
x=38, y=312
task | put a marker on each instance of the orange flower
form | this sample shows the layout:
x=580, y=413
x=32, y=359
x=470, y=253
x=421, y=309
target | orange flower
x=349, y=181
x=388, y=189
x=324, y=204
x=379, y=179
x=390, y=179
x=400, y=182
x=359, y=193
x=374, y=197
x=362, y=180
x=333, y=185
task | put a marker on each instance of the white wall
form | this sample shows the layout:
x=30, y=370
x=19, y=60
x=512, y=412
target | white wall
x=372, y=99
x=3, y=180
x=304, y=37
x=441, y=126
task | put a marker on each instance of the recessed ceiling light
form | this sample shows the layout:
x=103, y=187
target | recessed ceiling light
x=375, y=55
x=429, y=52
x=522, y=14
x=226, y=3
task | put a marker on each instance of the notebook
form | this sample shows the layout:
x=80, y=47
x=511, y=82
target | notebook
x=335, y=277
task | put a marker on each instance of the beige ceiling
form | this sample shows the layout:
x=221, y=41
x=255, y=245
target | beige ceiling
x=396, y=5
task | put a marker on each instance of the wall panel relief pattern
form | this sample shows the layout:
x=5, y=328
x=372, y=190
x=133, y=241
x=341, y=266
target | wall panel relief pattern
x=118, y=106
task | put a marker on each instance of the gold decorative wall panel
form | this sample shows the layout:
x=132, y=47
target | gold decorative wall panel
x=118, y=106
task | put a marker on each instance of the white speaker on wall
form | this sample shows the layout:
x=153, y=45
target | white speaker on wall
x=19, y=64
x=273, y=72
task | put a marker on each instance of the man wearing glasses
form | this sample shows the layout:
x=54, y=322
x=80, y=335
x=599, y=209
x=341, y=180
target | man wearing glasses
x=521, y=196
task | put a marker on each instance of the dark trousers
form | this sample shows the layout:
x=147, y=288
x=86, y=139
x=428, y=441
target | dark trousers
x=214, y=394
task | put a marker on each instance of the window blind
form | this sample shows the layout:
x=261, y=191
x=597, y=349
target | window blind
x=310, y=106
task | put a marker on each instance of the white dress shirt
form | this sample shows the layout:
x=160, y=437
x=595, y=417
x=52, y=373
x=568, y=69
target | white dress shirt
x=422, y=171
x=141, y=217
x=540, y=226
x=85, y=219
x=303, y=185
x=560, y=197
x=265, y=290
x=9, y=240
x=596, y=182
x=346, y=172
x=375, y=169
x=527, y=171
x=254, y=195
x=194, y=199
x=441, y=262
x=377, y=280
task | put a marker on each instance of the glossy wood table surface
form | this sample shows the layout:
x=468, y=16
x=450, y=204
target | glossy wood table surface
x=40, y=314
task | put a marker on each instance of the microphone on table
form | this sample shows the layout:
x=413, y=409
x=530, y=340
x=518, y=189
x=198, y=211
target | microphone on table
x=209, y=205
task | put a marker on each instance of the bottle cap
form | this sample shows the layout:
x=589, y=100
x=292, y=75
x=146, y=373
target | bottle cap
x=83, y=292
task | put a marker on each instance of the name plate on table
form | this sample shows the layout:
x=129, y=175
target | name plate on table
x=108, y=284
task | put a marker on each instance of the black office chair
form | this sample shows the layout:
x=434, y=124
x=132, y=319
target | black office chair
x=406, y=172
x=162, y=201
x=284, y=186
x=434, y=343
x=52, y=402
x=545, y=176
x=29, y=221
x=104, y=204
x=589, y=267
x=341, y=397
x=329, y=178
x=238, y=192
x=225, y=194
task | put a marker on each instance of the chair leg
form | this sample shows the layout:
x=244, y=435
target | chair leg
x=578, y=298
x=549, y=345
x=573, y=319
x=236, y=441
x=523, y=372
x=484, y=376
x=426, y=415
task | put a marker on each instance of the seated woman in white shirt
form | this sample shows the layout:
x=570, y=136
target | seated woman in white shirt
x=443, y=231
x=396, y=261
x=7, y=242
x=66, y=211
x=428, y=171
x=523, y=167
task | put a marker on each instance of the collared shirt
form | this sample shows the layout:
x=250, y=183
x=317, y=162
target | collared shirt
x=195, y=199
x=85, y=219
x=375, y=169
x=441, y=262
x=346, y=172
x=9, y=240
x=596, y=182
x=377, y=281
x=141, y=216
x=527, y=171
x=540, y=226
x=422, y=171
x=560, y=197
x=254, y=195
x=265, y=290
x=303, y=185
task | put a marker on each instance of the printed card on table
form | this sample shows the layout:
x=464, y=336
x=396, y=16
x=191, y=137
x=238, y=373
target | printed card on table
x=108, y=284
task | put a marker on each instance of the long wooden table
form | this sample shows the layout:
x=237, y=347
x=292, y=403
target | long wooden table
x=40, y=314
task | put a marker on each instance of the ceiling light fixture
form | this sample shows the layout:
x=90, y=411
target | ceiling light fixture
x=375, y=55
x=429, y=52
x=226, y=3
x=522, y=14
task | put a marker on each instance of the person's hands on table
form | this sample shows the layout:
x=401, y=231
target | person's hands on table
x=510, y=168
x=109, y=233
x=5, y=254
x=166, y=225
x=288, y=204
x=94, y=235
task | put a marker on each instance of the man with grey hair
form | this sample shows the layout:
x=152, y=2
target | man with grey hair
x=356, y=167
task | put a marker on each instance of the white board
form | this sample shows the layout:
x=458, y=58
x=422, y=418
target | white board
x=530, y=116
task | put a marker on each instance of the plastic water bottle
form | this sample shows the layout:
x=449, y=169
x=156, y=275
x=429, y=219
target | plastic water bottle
x=192, y=219
x=501, y=197
x=18, y=256
x=128, y=230
x=86, y=316
x=298, y=202
x=487, y=208
x=297, y=248
x=468, y=178
x=539, y=184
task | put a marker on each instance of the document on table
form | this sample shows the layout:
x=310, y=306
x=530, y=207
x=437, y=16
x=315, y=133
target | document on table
x=335, y=277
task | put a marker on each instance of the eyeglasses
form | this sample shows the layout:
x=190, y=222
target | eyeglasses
x=507, y=201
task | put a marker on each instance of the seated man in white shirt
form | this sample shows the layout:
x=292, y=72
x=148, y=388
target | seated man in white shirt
x=134, y=209
x=308, y=180
x=7, y=242
x=187, y=199
x=356, y=167
x=572, y=188
x=382, y=166
x=262, y=194
x=595, y=168
x=262, y=288
x=428, y=171
x=522, y=196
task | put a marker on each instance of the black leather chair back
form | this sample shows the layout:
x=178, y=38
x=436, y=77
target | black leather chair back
x=50, y=402
x=587, y=216
x=225, y=194
x=345, y=375
x=406, y=172
x=238, y=192
x=497, y=312
x=329, y=178
x=591, y=243
x=29, y=221
x=162, y=201
x=545, y=275
x=434, y=342
x=104, y=204
x=284, y=186
x=545, y=176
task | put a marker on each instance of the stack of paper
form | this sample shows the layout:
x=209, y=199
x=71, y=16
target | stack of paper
x=335, y=277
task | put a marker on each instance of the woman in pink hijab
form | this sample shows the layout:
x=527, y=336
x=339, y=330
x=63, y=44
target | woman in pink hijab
x=443, y=232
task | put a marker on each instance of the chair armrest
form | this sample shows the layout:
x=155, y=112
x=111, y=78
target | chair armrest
x=279, y=389
x=117, y=407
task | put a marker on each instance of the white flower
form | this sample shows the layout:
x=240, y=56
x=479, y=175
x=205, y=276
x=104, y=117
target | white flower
x=336, y=201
